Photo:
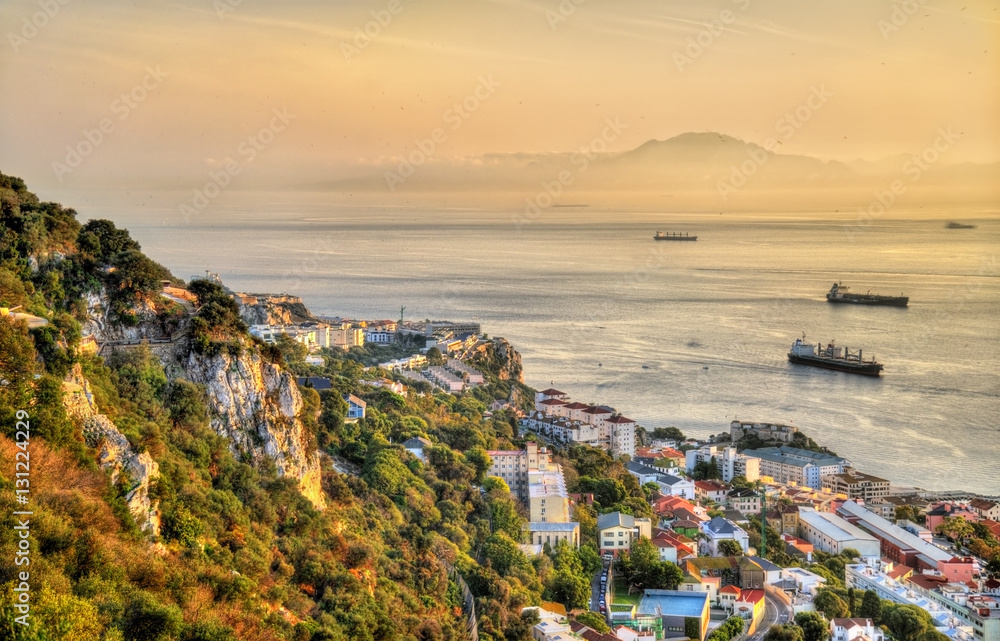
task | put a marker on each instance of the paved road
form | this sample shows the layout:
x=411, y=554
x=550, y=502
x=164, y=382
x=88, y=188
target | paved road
x=595, y=589
x=774, y=610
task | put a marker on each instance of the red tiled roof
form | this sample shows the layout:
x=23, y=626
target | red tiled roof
x=620, y=419
x=849, y=623
x=595, y=410
x=576, y=406
x=730, y=589
x=552, y=392
x=553, y=401
x=992, y=526
x=927, y=581
x=752, y=596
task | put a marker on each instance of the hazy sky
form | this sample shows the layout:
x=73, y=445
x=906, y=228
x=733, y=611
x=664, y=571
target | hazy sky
x=548, y=77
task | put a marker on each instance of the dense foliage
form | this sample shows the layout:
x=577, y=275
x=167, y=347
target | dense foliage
x=241, y=553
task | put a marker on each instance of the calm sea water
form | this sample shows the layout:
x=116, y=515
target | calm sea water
x=685, y=334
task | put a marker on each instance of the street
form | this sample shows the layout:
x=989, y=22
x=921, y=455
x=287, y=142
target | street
x=774, y=609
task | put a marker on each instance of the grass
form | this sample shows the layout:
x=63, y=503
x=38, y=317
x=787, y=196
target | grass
x=622, y=595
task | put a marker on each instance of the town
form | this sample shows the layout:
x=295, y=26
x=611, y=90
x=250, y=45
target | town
x=771, y=535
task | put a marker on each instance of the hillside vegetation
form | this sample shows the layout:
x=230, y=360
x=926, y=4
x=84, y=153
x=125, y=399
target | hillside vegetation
x=174, y=520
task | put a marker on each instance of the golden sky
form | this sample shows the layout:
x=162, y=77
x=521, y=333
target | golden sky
x=548, y=75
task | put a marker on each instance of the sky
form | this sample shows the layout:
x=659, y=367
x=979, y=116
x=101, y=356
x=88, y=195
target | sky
x=294, y=92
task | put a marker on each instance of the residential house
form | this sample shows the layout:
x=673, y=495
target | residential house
x=416, y=445
x=711, y=490
x=616, y=531
x=718, y=530
x=797, y=547
x=728, y=595
x=756, y=572
x=355, y=408
x=936, y=514
x=744, y=499
x=855, y=630
x=667, y=483
x=750, y=605
x=784, y=518
x=985, y=509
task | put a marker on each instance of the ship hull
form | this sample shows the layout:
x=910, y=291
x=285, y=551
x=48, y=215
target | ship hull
x=865, y=369
x=889, y=301
x=675, y=238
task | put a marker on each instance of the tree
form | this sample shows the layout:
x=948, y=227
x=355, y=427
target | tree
x=955, y=528
x=871, y=607
x=434, y=357
x=906, y=513
x=729, y=547
x=594, y=621
x=784, y=633
x=908, y=622
x=480, y=460
x=814, y=626
x=572, y=590
x=831, y=605
x=502, y=551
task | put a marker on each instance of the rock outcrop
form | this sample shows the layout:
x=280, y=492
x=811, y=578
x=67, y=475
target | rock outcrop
x=498, y=357
x=256, y=404
x=272, y=309
x=115, y=455
x=104, y=328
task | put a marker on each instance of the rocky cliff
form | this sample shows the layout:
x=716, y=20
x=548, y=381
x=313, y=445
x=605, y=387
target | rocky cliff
x=114, y=453
x=500, y=358
x=256, y=405
x=270, y=309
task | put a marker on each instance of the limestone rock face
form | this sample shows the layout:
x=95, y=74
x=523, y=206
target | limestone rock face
x=116, y=456
x=272, y=309
x=103, y=328
x=501, y=358
x=256, y=404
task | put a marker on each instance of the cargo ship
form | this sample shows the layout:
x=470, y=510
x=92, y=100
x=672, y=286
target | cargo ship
x=674, y=236
x=840, y=294
x=954, y=225
x=832, y=357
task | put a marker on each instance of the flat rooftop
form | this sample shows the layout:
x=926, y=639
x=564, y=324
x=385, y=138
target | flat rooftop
x=833, y=526
x=673, y=603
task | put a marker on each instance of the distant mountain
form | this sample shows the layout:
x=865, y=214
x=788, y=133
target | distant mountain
x=707, y=170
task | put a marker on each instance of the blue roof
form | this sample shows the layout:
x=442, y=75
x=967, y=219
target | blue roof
x=672, y=603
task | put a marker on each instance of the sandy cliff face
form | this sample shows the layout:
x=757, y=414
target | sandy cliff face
x=256, y=404
x=114, y=453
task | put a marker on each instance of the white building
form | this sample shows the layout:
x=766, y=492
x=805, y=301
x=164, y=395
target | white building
x=728, y=461
x=669, y=484
x=830, y=533
x=852, y=629
x=794, y=466
x=718, y=530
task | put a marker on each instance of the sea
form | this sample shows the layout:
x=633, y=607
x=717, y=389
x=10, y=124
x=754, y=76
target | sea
x=684, y=334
